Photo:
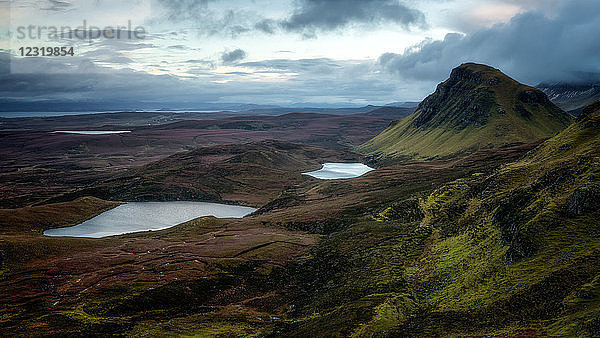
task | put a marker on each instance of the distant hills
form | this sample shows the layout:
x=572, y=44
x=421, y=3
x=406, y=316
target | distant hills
x=16, y=108
x=478, y=107
x=408, y=104
x=246, y=173
x=572, y=97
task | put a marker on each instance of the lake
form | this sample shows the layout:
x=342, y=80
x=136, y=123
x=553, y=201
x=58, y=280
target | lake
x=146, y=216
x=91, y=132
x=334, y=171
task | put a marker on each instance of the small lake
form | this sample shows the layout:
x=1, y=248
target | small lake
x=146, y=216
x=335, y=171
x=91, y=132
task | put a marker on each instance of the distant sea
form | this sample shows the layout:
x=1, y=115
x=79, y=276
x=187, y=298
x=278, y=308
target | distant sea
x=50, y=114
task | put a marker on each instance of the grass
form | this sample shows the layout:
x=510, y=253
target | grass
x=253, y=267
x=500, y=254
x=484, y=113
x=39, y=218
x=462, y=247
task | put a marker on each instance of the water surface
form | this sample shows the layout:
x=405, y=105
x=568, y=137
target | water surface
x=10, y=115
x=334, y=171
x=145, y=216
x=91, y=132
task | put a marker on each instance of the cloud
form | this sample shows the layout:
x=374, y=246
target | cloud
x=327, y=15
x=268, y=26
x=179, y=10
x=202, y=64
x=233, y=56
x=307, y=17
x=85, y=81
x=281, y=82
x=205, y=20
x=44, y=5
x=532, y=47
x=56, y=5
x=469, y=15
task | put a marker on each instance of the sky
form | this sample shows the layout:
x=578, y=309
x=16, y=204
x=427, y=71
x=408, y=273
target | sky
x=318, y=53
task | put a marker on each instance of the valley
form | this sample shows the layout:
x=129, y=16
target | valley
x=37, y=164
x=475, y=215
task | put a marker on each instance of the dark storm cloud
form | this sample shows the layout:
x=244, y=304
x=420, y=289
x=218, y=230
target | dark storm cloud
x=308, y=17
x=327, y=15
x=206, y=21
x=82, y=81
x=531, y=47
x=233, y=56
x=42, y=78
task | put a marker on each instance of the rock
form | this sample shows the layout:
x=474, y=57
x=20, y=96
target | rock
x=533, y=97
x=404, y=211
x=584, y=200
x=511, y=220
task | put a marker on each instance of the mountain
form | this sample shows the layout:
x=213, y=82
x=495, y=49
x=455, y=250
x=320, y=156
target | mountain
x=571, y=97
x=520, y=249
x=511, y=253
x=320, y=110
x=407, y=104
x=397, y=112
x=12, y=106
x=478, y=107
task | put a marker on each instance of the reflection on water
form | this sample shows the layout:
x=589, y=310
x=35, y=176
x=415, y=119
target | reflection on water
x=144, y=216
x=333, y=171
x=91, y=132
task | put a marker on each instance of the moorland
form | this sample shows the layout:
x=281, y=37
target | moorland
x=481, y=218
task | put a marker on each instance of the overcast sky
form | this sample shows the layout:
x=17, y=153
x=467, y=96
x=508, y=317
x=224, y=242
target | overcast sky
x=284, y=52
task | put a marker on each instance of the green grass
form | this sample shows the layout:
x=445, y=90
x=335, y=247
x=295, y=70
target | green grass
x=500, y=254
x=501, y=118
x=515, y=251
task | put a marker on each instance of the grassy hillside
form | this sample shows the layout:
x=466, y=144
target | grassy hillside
x=42, y=217
x=515, y=252
x=210, y=277
x=251, y=173
x=38, y=165
x=461, y=247
x=477, y=107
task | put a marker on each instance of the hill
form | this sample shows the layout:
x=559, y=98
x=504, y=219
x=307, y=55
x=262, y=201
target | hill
x=249, y=173
x=37, y=164
x=397, y=112
x=460, y=247
x=478, y=107
x=571, y=97
x=514, y=253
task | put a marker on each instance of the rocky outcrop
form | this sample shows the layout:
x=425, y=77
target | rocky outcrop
x=584, y=200
x=463, y=98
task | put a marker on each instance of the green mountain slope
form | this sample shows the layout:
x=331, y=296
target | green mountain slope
x=477, y=107
x=513, y=253
x=520, y=249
